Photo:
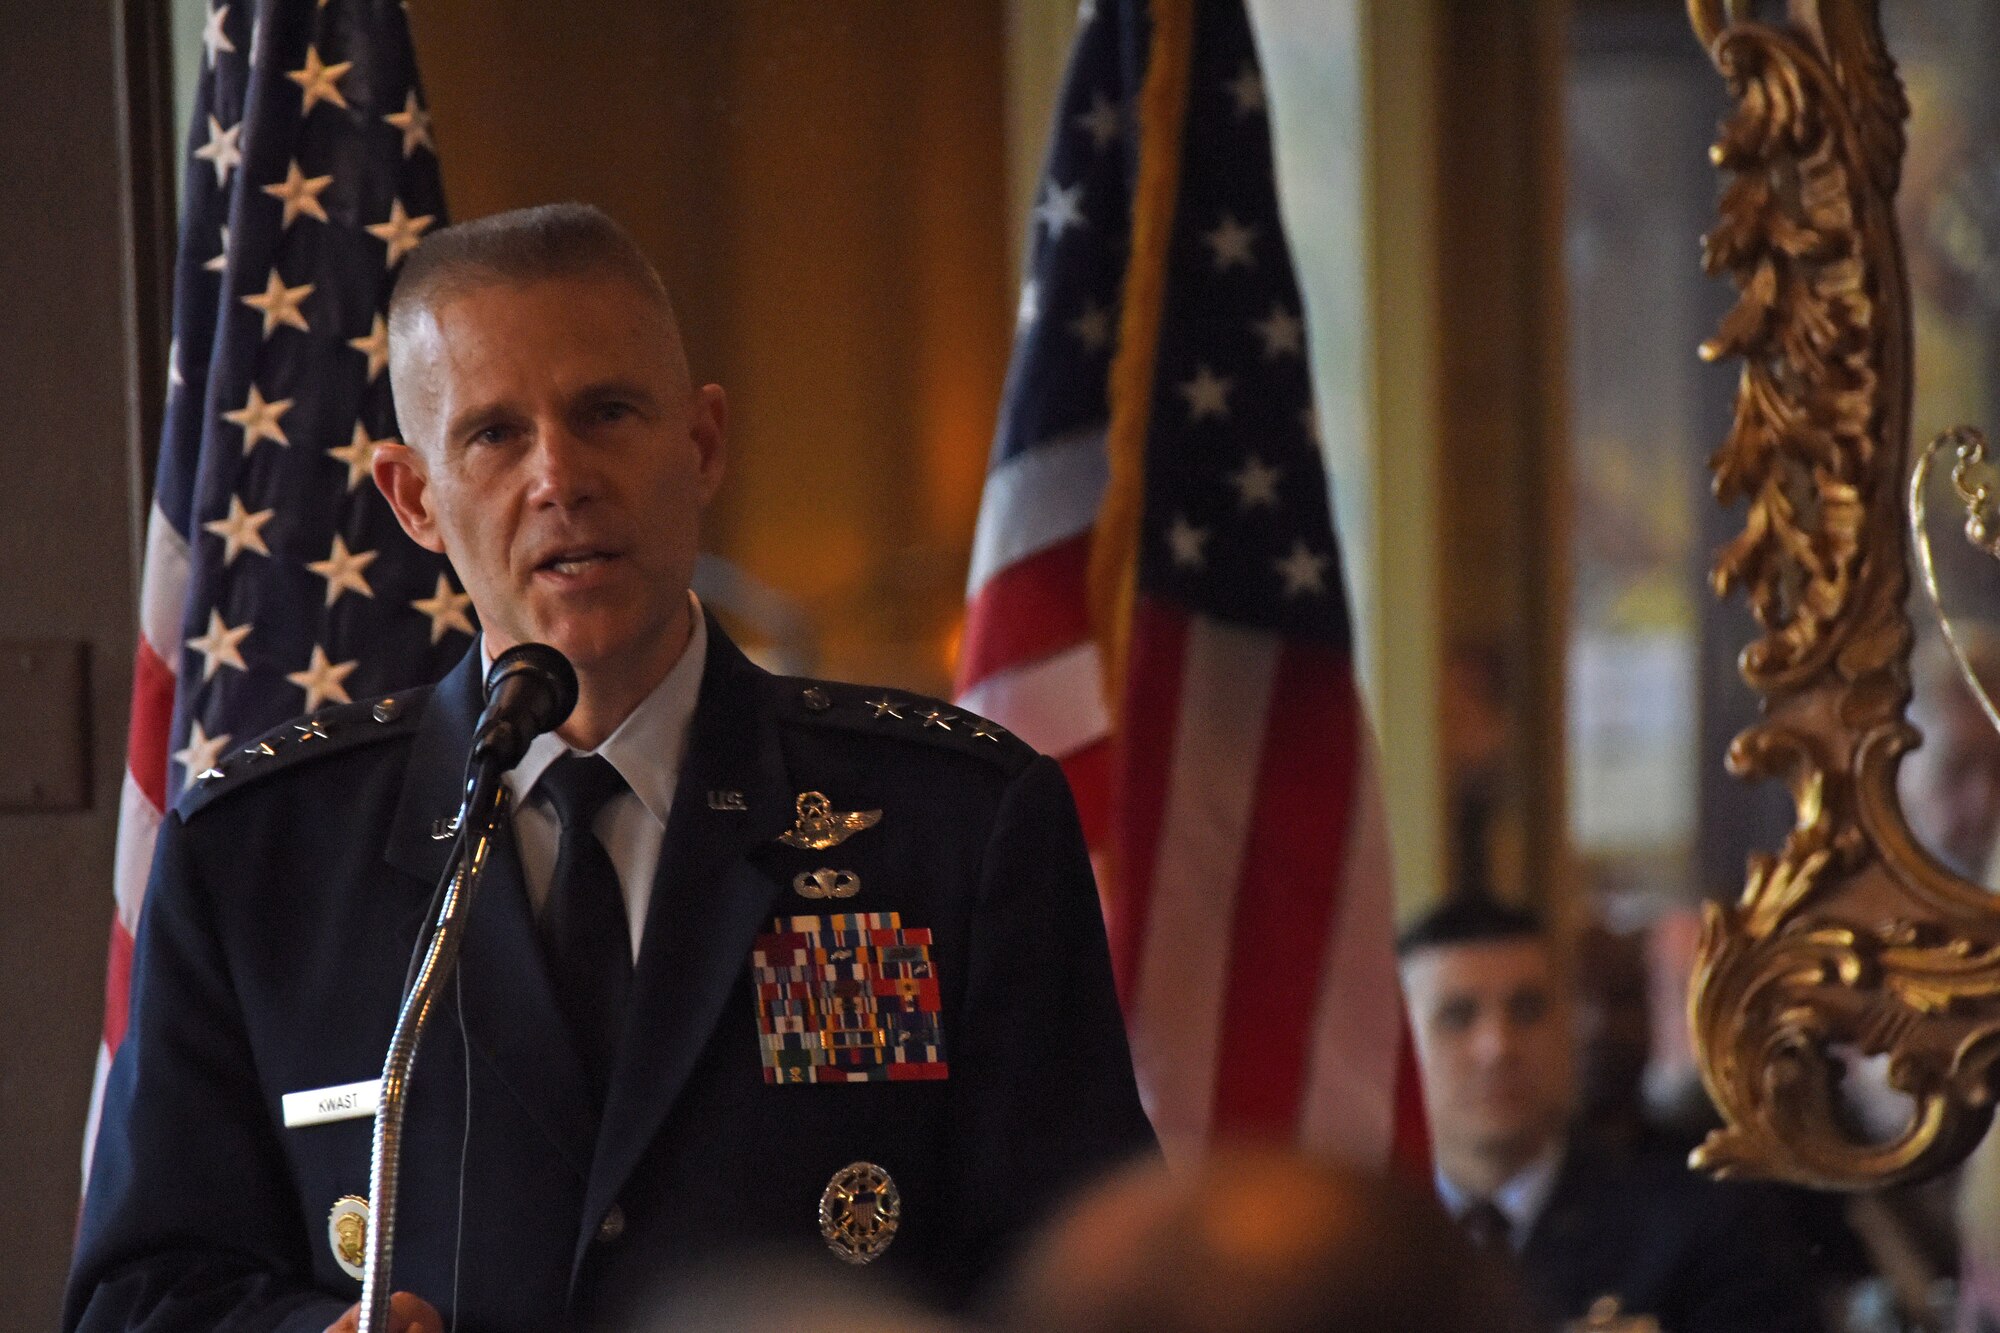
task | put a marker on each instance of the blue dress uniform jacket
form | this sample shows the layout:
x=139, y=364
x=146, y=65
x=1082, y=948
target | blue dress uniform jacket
x=285, y=900
x=1696, y=1254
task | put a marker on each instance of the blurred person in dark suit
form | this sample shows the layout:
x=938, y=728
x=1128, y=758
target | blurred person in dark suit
x=1259, y=1241
x=1614, y=1042
x=1620, y=1235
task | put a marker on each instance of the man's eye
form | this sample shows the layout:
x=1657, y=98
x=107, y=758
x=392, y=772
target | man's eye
x=1456, y=1016
x=495, y=434
x=608, y=413
x=1527, y=1008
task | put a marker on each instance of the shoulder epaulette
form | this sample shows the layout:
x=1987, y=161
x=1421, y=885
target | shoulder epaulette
x=871, y=710
x=327, y=732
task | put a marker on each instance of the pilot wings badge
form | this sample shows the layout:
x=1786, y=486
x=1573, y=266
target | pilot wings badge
x=820, y=826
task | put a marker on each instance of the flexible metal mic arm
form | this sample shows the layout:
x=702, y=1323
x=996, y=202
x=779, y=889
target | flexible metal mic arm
x=479, y=819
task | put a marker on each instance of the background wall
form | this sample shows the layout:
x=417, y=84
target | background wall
x=824, y=188
x=66, y=562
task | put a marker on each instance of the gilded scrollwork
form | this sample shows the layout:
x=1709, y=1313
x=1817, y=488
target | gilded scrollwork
x=1850, y=939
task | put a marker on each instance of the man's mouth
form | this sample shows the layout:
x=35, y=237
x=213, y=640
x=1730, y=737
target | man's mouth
x=576, y=561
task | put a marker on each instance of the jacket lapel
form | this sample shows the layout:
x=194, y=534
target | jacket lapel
x=1552, y=1227
x=707, y=907
x=511, y=1013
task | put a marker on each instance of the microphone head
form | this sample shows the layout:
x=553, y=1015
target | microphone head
x=540, y=679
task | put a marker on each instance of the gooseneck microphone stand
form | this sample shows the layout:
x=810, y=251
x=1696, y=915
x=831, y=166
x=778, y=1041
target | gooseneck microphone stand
x=479, y=819
x=530, y=689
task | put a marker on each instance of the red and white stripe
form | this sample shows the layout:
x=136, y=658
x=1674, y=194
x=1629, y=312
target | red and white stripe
x=143, y=797
x=1252, y=926
x=1029, y=660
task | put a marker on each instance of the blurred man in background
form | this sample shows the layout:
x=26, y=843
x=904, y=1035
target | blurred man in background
x=1596, y=1231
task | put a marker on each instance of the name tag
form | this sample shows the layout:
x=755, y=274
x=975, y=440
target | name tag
x=345, y=1101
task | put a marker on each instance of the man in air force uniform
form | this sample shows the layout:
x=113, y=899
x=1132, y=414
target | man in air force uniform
x=767, y=963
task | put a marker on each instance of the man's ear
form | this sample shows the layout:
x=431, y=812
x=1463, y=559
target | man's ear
x=400, y=476
x=708, y=424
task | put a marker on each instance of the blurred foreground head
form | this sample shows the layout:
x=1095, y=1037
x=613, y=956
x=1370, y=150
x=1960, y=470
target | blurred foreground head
x=1257, y=1242
x=755, y=1293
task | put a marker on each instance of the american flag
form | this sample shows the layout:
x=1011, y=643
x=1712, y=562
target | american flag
x=1156, y=598
x=276, y=579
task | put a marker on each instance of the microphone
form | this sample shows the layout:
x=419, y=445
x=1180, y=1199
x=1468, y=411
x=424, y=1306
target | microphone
x=531, y=689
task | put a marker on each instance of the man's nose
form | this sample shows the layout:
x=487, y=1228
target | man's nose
x=1492, y=1039
x=563, y=471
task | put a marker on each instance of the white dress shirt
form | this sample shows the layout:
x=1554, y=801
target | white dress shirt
x=646, y=749
x=1521, y=1200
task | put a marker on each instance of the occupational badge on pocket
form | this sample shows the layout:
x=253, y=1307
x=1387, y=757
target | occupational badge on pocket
x=859, y=1212
x=847, y=998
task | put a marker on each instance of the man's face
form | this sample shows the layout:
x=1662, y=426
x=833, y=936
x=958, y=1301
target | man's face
x=1494, y=1042
x=558, y=455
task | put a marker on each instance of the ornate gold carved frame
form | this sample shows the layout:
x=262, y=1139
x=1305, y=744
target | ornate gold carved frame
x=1850, y=935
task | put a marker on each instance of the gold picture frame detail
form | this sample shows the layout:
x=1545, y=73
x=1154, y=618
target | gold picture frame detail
x=1850, y=938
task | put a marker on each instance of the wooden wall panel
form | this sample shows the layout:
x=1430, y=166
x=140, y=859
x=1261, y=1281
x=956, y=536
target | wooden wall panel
x=824, y=189
x=69, y=339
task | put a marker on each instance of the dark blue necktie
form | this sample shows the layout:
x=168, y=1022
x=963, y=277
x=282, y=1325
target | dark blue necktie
x=1489, y=1230
x=585, y=936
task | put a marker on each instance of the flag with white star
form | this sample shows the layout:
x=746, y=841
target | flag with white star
x=1156, y=599
x=276, y=578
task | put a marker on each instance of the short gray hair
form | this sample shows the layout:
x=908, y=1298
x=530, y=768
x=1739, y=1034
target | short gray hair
x=521, y=246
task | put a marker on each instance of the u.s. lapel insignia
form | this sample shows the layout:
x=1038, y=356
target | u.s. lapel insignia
x=726, y=800
x=824, y=883
x=859, y=1212
x=820, y=826
x=347, y=1233
x=1607, y=1315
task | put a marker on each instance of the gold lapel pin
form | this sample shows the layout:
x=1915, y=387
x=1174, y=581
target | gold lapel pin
x=347, y=1233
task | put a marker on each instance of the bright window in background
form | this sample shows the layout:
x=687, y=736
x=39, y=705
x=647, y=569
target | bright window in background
x=1653, y=694
x=1640, y=107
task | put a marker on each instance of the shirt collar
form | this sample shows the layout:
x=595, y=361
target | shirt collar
x=647, y=747
x=1522, y=1198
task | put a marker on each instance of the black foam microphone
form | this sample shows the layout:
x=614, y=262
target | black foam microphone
x=531, y=689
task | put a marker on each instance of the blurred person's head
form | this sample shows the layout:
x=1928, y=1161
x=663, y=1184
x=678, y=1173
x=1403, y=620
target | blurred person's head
x=759, y=1292
x=1614, y=1031
x=1256, y=1241
x=1495, y=1038
x=1951, y=783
